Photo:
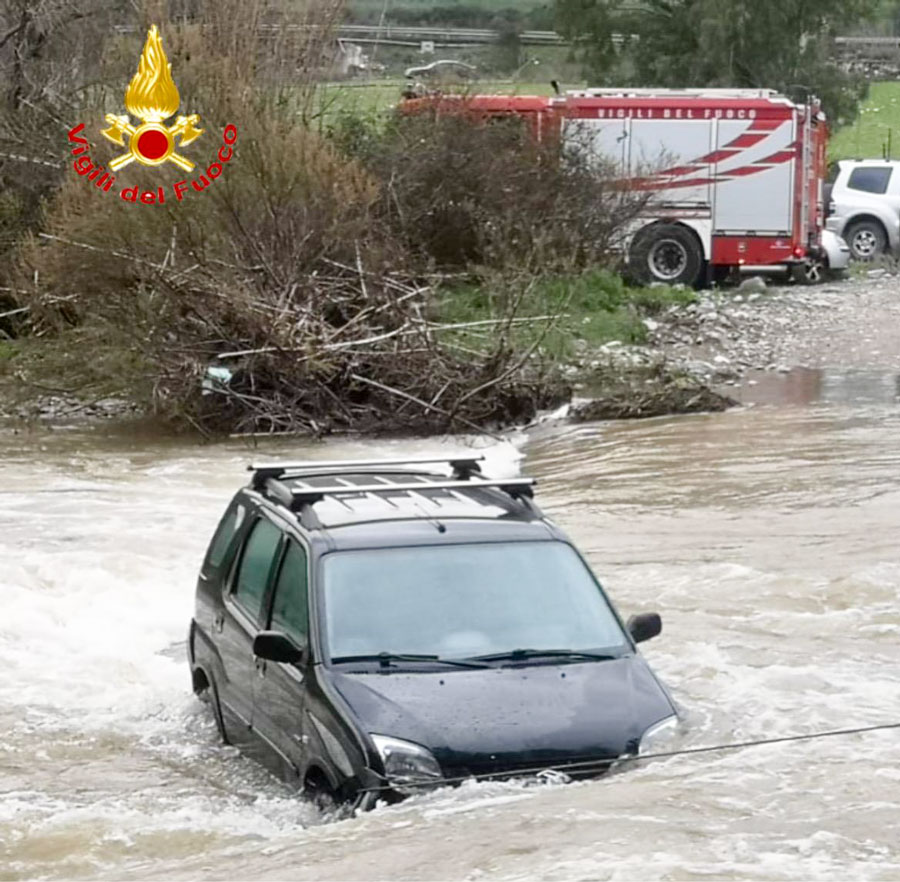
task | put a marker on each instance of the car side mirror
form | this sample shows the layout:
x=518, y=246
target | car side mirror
x=277, y=647
x=644, y=626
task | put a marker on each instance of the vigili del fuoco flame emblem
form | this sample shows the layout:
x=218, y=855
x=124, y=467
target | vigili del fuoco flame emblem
x=152, y=97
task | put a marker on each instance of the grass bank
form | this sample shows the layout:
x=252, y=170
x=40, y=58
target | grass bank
x=878, y=121
x=558, y=316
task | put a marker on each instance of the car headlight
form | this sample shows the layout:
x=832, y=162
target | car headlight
x=657, y=736
x=407, y=766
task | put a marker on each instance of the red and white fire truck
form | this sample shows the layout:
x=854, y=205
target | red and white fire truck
x=734, y=176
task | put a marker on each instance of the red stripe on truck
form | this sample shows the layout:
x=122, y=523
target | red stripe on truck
x=745, y=140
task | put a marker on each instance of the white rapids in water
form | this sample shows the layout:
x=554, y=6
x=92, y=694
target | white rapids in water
x=765, y=537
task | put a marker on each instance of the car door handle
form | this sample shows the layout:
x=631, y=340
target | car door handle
x=219, y=623
x=261, y=667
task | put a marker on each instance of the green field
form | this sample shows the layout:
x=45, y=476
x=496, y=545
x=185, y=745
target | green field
x=878, y=120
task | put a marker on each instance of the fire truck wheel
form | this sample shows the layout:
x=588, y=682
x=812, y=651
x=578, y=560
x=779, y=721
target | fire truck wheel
x=866, y=239
x=667, y=253
x=811, y=271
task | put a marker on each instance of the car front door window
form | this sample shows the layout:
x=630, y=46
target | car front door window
x=290, y=606
x=256, y=564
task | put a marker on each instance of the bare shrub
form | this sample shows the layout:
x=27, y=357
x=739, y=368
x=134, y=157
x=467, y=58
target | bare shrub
x=462, y=189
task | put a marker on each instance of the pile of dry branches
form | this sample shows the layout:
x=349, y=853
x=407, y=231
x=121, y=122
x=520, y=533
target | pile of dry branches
x=369, y=361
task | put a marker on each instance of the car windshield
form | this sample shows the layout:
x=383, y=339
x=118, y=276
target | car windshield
x=460, y=601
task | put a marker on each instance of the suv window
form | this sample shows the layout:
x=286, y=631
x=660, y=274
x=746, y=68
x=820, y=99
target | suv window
x=289, y=609
x=256, y=564
x=870, y=179
x=228, y=526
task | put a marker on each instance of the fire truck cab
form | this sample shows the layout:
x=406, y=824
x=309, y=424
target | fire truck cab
x=734, y=176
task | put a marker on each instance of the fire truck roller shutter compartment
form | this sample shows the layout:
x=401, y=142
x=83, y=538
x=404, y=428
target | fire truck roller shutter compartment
x=603, y=141
x=754, y=171
x=651, y=153
x=677, y=153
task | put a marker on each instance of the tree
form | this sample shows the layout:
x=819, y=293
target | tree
x=775, y=44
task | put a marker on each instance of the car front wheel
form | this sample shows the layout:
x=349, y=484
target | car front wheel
x=866, y=240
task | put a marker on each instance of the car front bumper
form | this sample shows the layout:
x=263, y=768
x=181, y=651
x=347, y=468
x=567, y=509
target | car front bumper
x=836, y=250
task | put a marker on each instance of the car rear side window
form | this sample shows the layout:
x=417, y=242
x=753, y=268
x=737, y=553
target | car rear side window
x=289, y=609
x=256, y=564
x=870, y=179
x=228, y=526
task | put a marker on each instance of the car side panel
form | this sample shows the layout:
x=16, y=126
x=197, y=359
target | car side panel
x=851, y=205
x=305, y=726
x=278, y=716
x=233, y=632
x=209, y=604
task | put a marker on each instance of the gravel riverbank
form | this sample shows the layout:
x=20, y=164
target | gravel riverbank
x=852, y=323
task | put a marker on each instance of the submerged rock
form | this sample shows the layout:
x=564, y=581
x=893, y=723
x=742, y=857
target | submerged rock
x=636, y=398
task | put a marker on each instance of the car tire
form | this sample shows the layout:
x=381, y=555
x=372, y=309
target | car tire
x=866, y=238
x=210, y=695
x=665, y=253
x=317, y=790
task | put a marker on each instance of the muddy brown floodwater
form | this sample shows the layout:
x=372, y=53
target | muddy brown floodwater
x=765, y=536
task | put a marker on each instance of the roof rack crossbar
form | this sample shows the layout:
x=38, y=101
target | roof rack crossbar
x=386, y=483
x=309, y=489
x=462, y=465
x=515, y=487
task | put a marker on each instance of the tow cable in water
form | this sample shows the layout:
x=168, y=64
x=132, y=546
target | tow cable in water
x=600, y=765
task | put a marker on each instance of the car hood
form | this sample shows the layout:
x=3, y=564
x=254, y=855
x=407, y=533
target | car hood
x=512, y=716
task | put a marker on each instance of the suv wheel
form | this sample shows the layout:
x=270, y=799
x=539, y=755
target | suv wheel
x=318, y=791
x=666, y=253
x=866, y=239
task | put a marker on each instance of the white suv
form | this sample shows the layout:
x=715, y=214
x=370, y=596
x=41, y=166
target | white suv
x=864, y=205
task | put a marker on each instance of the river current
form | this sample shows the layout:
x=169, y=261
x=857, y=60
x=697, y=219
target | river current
x=766, y=537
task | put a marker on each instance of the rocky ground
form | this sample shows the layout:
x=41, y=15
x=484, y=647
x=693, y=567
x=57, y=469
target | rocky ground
x=65, y=407
x=852, y=323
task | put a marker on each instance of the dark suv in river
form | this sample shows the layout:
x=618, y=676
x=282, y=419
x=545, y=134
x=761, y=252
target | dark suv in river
x=372, y=628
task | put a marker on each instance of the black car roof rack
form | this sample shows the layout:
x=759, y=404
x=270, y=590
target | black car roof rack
x=514, y=487
x=300, y=494
x=463, y=466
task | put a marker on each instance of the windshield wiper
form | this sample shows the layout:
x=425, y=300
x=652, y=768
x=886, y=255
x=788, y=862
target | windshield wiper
x=524, y=654
x=386, y=658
